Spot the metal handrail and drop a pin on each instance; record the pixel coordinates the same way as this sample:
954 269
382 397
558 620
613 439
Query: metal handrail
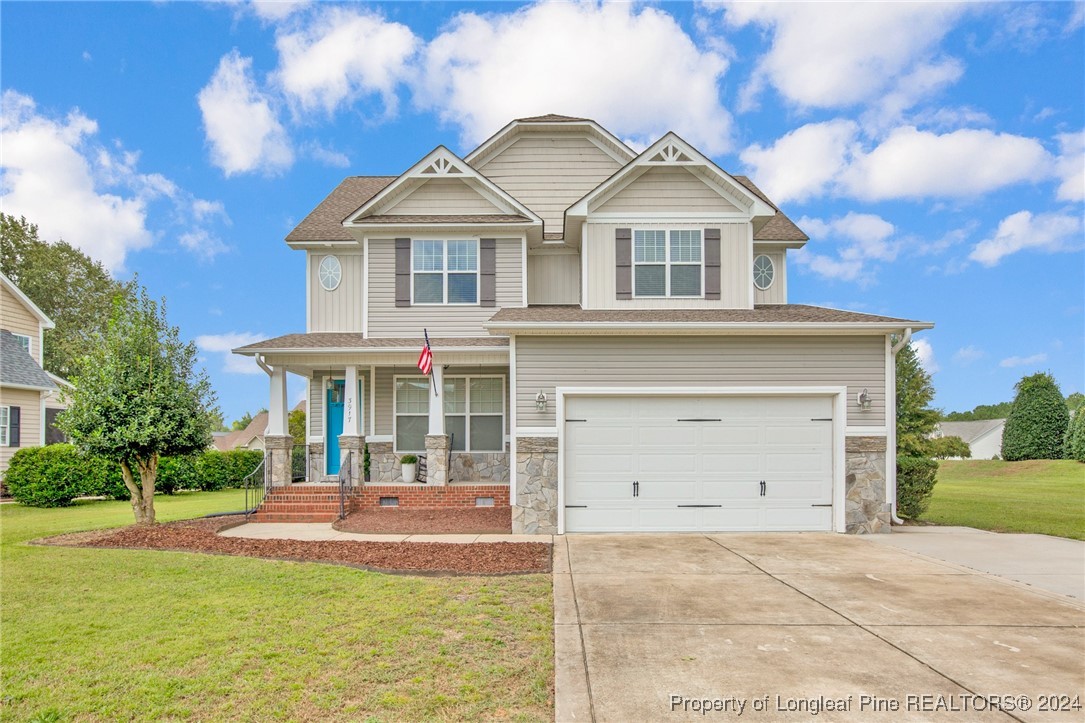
253 498
346 483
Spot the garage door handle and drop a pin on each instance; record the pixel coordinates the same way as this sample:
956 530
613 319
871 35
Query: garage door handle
699 420
830 504
700 505
576 507
763 488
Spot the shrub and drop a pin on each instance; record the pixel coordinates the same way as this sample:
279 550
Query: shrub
50 476
408 459
915 485
215 470
945 447
175 473
1074 445
1036 427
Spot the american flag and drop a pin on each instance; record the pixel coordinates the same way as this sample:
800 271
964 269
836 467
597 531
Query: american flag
425 359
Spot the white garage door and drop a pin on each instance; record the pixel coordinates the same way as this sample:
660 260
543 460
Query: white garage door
698 463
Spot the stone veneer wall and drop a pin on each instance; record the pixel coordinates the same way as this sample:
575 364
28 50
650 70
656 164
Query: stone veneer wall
493 467
866 509
535 510
316 471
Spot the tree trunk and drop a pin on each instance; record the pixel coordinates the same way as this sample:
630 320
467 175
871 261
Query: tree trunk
148 474
135 490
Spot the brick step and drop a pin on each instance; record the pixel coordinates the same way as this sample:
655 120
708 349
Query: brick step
294 517
295 496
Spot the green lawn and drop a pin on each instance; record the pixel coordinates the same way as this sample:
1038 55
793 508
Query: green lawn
122 634
1044 496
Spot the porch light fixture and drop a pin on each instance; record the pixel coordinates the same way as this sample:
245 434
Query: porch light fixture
863 398
540 401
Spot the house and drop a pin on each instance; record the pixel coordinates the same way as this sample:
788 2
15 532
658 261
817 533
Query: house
983 437
613 347
30 397
252 436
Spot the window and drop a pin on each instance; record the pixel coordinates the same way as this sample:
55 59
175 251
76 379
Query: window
330 273
667 263
763 272
474 410
444 272
24 341
5 421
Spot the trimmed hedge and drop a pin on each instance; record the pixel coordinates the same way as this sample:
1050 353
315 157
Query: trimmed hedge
54 475
915 485
1074 445
1036 427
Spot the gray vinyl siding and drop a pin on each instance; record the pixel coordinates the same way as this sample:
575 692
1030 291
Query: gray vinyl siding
735 268
553 278
386 320
544 363
443 196
386 390
549 174
315 408
777 292
317 395
669 189
340 309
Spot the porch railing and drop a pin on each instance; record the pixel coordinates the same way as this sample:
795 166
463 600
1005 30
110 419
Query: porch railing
299 463
346 483
256 484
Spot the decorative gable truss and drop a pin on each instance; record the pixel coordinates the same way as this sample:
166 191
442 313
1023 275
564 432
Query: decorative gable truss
442 189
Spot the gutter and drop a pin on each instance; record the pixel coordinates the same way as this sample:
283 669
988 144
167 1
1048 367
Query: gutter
891 448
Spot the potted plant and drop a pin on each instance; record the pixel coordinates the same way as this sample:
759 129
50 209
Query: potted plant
410 467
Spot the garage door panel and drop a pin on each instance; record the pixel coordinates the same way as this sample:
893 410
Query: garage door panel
795 490
799 432
613 434
730 435
663 434
731 518
664 519
729 490
748 463
666 464
798 518
610 492
652 491
599 520
590 463
600 407
797 461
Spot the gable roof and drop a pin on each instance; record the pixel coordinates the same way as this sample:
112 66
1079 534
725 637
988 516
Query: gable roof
553 118
776 228
325 222
969 432
18 368
607 141
42 318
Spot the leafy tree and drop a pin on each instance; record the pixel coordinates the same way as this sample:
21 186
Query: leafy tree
217 422
1036 427
296 424
74 290
140 397
1074 443
916 420
983 411
1075 401
239 424
946 447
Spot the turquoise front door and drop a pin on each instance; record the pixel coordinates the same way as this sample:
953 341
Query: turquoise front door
334 426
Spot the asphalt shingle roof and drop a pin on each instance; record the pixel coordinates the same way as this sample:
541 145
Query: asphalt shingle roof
325 222
776 228
18 367
970 431
762 314
354 340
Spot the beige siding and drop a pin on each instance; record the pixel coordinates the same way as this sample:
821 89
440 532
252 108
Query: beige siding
735 269
317 395
544 363
16 318
386 390
443 196
553 278
550 173
29 403
315 407
666 188
388 320
340 309
777 292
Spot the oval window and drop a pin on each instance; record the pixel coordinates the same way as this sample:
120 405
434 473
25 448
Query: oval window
330 273
763 272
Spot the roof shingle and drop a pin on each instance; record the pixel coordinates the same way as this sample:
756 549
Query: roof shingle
18 367
776 228
355 340
761 314
428 218
325 222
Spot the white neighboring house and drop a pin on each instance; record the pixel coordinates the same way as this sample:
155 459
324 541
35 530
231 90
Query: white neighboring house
983 437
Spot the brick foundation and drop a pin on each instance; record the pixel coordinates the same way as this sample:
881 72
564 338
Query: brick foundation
423 497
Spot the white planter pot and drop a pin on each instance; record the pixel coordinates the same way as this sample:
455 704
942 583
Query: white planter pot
410 472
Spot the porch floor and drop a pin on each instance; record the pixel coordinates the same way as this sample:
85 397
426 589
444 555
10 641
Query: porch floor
325 531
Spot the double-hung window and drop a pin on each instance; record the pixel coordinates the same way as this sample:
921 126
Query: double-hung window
412 413
24 341
474 409
667 263
5 424
444 272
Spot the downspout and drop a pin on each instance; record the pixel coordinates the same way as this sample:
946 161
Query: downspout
891 441
260 361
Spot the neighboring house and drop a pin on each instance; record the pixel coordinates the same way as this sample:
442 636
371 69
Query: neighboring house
29 395
612 341
983 437
252 436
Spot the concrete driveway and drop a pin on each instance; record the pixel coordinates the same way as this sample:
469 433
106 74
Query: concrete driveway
783 626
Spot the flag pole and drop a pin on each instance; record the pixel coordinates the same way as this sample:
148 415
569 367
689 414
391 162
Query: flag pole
425 333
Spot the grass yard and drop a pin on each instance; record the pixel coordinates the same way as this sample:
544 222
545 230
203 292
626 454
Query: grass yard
1042 496
91 634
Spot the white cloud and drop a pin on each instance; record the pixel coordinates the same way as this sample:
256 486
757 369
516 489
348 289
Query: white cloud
203 243
804 162
276 10
636 71
240 124
342 55
57 174
925 352
326 156
968 354
224 343
923 82
1023 361
1070 166
858 237
851 53
1049 232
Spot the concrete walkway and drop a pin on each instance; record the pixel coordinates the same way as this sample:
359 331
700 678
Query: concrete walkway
648 627
1050 563
324 531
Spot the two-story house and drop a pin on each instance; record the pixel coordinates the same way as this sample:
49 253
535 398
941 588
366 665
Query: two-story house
612 341
29 396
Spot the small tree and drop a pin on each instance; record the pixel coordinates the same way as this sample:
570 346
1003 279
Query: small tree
296 426
1074 444
916 420
1036 427
140 397
946 447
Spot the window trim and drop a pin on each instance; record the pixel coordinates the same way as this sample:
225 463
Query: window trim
753 272
29 342
667 263
320 268
468 449
445 272
5 426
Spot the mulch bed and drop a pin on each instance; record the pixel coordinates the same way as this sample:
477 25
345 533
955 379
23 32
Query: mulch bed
200 535
475 520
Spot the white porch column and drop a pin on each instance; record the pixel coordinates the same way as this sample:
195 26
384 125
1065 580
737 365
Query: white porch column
436 401
352 412
276 409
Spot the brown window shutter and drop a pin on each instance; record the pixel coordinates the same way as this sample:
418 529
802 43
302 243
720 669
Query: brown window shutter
403 272
712 263
14 426
623 263
487 270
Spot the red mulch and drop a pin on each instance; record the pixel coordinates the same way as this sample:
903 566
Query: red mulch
480 558
474 520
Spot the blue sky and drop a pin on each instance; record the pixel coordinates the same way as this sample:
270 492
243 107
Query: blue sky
934 152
